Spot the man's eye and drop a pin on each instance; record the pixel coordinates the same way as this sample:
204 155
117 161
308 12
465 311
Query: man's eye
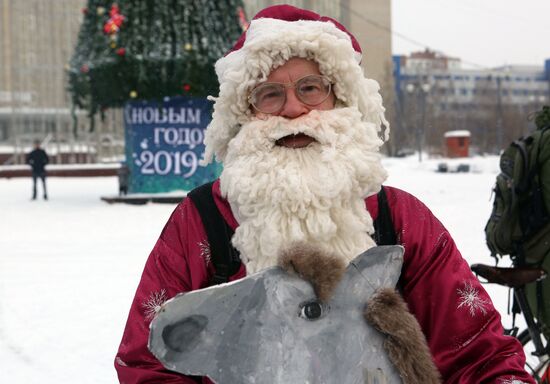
269 95
309 88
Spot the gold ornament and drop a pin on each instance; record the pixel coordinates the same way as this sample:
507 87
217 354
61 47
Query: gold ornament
113 44
100 11
133 94
188 47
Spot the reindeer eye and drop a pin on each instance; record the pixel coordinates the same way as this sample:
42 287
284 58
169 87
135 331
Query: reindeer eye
312 310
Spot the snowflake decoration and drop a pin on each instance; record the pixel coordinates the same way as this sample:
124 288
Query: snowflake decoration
469 298
511 380
154 303
205 251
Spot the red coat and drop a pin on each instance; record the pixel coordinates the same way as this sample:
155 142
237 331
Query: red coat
462 327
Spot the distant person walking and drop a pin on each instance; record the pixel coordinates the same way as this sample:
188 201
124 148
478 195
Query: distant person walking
123 175
37 159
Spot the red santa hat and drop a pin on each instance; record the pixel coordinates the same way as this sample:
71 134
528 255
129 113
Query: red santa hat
275 35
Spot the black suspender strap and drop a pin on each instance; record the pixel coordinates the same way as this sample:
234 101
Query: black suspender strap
224 256
384 232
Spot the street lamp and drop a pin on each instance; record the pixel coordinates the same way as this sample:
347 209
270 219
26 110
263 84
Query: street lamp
500 133
537 101
420 92
499 77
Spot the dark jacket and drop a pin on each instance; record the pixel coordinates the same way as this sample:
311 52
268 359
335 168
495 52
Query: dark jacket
37 159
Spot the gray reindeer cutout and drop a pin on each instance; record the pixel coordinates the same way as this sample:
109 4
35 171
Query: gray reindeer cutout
270 327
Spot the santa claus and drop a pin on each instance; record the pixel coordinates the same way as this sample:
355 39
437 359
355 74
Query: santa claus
298 129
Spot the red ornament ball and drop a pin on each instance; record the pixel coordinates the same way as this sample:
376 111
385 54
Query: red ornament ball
186 87
121 51
84 68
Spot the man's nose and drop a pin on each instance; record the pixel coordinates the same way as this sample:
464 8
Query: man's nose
293 107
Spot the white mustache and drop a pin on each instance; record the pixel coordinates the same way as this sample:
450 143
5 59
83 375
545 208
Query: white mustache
279 127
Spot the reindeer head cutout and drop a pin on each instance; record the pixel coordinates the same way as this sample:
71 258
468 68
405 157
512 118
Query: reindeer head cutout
271 327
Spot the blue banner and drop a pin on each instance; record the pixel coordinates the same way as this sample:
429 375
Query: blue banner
164 143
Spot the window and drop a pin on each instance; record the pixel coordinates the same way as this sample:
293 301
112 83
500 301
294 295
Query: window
3 130
50 126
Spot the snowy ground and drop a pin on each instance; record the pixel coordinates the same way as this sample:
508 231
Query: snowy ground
69 266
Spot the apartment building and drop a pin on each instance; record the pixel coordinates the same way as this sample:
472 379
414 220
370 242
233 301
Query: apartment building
37 38
450 87
482 100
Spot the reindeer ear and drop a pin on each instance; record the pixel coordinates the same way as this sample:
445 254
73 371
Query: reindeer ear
375 268
380 265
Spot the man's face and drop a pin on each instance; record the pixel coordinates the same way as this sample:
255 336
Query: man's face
299 171
289 73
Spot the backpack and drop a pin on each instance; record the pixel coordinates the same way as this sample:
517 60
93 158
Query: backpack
519 224
226 259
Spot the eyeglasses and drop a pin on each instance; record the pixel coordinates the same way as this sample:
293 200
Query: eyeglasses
271 97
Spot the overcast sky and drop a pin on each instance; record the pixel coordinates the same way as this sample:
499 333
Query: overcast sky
483 32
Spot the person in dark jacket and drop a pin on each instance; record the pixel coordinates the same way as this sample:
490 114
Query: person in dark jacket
123 174
37 159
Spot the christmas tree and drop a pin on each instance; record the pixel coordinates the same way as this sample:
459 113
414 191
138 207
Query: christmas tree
150 49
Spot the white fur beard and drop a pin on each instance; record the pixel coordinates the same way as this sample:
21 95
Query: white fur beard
281 196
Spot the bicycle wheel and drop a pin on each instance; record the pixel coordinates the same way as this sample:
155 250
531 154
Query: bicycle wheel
534 365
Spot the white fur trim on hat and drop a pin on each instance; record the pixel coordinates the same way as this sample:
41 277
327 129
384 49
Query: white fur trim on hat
269 44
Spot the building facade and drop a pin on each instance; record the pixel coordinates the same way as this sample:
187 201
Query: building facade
435 94
37 39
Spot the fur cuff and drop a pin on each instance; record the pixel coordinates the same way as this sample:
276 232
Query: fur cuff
405 343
